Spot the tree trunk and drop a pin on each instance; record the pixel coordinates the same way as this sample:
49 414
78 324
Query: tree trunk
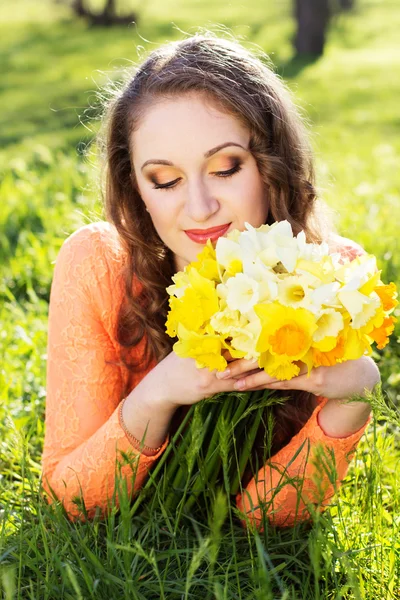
312 20
346 4
79 8
106 18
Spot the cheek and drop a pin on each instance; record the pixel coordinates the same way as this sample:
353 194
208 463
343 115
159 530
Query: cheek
253 189
163 214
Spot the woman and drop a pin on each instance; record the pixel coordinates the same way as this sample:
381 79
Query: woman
204 135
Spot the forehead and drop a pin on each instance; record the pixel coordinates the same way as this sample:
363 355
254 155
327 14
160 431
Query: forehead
188 120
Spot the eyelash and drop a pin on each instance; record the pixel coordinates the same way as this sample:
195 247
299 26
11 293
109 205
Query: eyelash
229 173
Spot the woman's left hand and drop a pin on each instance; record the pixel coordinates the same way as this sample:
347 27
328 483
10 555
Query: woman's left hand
338 381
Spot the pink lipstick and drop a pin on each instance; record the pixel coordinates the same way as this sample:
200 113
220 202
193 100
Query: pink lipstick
202 235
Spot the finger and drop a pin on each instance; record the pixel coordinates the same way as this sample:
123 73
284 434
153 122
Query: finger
238 367
301 382
259 379
237 377
262 380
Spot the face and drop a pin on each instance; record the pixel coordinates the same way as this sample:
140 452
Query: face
194 172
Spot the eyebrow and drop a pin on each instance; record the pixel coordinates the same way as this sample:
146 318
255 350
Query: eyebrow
157 161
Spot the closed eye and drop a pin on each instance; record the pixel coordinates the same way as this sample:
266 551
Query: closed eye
171 184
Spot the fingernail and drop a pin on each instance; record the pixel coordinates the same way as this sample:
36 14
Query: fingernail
224 374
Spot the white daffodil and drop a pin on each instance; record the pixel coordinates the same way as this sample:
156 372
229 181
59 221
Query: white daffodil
329 324
355 273
309 251
250 247
281 228
294 291
287 251
259 271
278 245
227 251
222 291
253 235
361 308
325 295
233 235
243 292
369 311
269 257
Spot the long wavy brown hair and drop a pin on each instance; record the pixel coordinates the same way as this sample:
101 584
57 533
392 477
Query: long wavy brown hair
242 83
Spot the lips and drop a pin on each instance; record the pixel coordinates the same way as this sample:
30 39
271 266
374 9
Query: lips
202 235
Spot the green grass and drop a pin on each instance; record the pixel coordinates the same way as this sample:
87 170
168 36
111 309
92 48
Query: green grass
52 69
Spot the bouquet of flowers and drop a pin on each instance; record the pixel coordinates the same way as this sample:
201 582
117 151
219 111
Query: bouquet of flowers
267 296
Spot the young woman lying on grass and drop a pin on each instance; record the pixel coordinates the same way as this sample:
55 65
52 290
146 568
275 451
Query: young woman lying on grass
202 135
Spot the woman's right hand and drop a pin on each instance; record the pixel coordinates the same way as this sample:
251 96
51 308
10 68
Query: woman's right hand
184 384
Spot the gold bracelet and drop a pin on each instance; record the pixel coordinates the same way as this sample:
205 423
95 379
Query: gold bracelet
130 436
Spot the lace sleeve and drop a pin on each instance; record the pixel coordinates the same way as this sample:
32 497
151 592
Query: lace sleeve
308 469
83 437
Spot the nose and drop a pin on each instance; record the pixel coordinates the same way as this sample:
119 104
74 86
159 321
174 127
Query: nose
200 204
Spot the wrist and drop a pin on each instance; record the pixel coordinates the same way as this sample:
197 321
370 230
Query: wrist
146 416
142 403
151 395
135 442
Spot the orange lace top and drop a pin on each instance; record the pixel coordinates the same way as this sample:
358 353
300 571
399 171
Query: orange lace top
84 437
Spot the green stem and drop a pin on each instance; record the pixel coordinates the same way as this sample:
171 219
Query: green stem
208 471
213 459
161 463
184 471
246 451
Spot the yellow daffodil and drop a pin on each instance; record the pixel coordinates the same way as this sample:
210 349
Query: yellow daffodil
182 281
356 344
196 306
224 321
205 349
186 310
206 292
233 352
245 338
328 356
278 368
322 272
286 331
381 334
206 263
388 295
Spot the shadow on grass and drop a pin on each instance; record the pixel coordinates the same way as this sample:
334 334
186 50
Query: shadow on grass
291 68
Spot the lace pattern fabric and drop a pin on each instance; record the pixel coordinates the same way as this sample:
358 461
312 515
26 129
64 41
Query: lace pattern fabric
83 436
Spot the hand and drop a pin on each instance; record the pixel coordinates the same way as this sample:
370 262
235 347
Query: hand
176 381
338 381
